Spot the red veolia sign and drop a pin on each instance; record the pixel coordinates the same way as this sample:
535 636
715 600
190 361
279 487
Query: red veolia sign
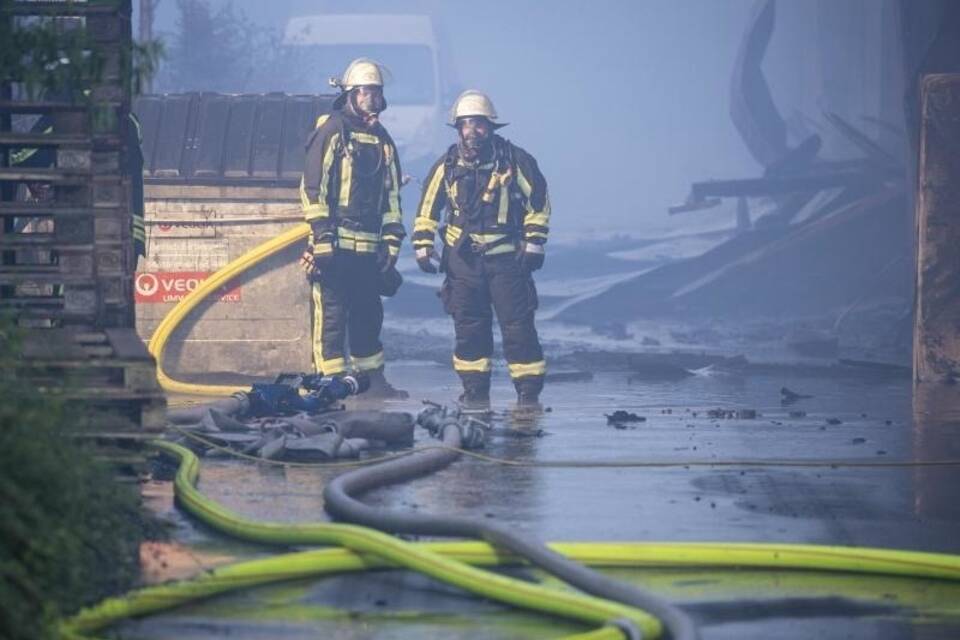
173 286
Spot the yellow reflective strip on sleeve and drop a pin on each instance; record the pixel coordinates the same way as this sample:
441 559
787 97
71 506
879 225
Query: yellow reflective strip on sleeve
321 119
322 249
471 366
521 369
393 215
430 196
539 219
427 242
535 234
367 363
346 178
393 249
425 224
319 209
365 138
525 187
452 235
326 367
504 205
524 184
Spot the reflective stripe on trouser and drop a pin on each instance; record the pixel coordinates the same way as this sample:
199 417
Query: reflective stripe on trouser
479 286
347 308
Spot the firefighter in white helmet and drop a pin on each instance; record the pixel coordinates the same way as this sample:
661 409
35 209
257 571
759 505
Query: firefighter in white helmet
491 200
350 194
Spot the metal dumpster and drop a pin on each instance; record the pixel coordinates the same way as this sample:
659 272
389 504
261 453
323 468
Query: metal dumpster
222 175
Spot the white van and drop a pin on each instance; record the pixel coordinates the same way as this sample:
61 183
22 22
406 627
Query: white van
407 46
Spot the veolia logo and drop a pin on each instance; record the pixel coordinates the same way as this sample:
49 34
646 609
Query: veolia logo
147 284
173 286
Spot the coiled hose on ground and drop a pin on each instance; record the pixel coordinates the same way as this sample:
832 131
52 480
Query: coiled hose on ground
372 549
340 502
867 561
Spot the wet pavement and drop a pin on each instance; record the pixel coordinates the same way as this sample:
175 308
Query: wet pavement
847 419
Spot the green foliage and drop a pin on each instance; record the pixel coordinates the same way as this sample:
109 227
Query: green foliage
48 57
57 57
69 533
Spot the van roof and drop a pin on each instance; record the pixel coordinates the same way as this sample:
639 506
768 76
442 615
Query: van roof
359 28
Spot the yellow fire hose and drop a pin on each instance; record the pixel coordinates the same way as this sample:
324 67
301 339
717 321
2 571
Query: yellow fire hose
161 335
369 549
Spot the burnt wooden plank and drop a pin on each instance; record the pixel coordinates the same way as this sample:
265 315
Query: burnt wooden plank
57 209
14 139
53 176
128 345
25 106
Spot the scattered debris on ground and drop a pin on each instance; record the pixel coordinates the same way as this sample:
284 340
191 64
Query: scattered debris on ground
732 414
788 396
621 419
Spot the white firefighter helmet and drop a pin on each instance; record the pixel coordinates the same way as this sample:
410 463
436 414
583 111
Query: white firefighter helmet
474 103
360 72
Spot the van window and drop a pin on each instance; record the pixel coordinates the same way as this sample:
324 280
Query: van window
411 80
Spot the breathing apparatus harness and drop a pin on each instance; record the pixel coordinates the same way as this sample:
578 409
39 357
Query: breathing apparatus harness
502 171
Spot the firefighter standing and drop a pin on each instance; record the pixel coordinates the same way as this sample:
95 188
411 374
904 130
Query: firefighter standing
350 194
492 200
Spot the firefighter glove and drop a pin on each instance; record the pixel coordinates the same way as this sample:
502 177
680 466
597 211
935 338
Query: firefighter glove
531 258
315 263
425 257
387 256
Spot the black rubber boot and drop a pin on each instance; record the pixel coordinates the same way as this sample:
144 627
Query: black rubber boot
528 390
380 389
476 391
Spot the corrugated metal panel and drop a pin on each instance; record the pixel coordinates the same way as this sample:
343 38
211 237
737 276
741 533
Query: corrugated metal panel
217 139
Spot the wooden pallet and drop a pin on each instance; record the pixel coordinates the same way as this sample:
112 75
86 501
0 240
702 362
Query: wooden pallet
67 267
108 371
66 253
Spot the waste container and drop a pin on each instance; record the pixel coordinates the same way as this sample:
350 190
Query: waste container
221 176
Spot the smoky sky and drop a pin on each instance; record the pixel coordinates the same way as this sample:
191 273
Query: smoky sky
624 103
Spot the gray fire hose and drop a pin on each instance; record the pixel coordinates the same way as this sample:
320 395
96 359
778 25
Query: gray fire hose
340 502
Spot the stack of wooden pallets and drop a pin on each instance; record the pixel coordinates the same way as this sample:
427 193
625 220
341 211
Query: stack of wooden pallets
67 266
